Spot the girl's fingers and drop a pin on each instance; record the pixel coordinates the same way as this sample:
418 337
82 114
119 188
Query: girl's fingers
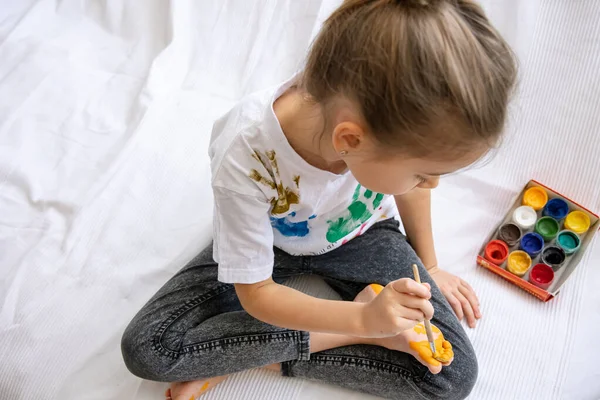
455 304
465 283
410 314
421 306
472 298
467 309
409 286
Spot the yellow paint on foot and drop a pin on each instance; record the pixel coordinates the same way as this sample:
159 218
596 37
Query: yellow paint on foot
443 348
192 398
204 387
420 329
376 288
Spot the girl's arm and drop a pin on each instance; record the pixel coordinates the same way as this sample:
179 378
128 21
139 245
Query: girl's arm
400 306
415 210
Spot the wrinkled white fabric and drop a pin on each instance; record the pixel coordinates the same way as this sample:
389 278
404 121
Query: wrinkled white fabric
106 110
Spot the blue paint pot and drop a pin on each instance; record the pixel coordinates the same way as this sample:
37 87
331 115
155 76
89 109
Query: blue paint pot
556 208
532 243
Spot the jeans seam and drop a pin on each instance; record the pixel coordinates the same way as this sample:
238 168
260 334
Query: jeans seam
250 339
369 363
299 336
185 307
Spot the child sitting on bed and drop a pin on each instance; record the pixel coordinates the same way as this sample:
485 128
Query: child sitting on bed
309 178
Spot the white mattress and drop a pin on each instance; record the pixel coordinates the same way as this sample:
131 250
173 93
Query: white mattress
105 114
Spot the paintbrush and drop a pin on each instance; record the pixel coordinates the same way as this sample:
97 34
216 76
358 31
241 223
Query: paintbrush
425 322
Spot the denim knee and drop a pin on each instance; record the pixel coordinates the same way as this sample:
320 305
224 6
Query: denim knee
455 381
140 357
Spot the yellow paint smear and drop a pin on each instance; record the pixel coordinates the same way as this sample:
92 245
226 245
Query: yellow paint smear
376 288
204 387
443 350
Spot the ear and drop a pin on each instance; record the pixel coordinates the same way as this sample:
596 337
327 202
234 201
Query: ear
347 136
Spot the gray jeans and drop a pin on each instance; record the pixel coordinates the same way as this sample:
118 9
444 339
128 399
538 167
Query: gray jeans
195 327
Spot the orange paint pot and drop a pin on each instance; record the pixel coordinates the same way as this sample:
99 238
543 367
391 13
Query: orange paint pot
535 197
518 263
496 251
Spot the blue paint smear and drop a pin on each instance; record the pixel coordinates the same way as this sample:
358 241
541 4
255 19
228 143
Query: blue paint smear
289 228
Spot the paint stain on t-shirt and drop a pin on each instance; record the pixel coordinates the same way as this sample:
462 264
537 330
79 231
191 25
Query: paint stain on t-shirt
286 196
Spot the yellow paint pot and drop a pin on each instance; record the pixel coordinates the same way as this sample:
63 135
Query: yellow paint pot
578 222
518 262
535 197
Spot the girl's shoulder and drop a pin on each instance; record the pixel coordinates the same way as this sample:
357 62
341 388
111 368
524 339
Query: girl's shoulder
238 138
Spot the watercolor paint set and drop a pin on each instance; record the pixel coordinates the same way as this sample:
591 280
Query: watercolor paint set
540 242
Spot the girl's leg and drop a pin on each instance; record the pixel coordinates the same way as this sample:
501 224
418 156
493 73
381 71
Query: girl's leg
382 255
195 327
194 331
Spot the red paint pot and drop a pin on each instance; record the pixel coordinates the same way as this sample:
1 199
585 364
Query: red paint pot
496 251
541 275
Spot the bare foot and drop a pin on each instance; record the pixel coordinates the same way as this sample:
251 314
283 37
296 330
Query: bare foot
414 341
368 293
192 389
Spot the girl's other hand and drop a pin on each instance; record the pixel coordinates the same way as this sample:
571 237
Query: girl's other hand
459 294
400 306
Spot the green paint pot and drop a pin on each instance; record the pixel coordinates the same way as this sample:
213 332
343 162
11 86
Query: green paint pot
547 227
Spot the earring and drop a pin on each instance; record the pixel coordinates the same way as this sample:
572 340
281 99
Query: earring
343 153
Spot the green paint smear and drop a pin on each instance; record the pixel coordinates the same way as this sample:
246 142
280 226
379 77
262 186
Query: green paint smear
358 212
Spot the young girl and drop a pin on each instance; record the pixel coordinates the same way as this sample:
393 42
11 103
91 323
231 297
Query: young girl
308 179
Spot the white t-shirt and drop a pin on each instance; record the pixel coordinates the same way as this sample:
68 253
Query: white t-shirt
266 195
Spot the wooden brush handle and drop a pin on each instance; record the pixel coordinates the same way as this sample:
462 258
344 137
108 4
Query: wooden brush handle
426 322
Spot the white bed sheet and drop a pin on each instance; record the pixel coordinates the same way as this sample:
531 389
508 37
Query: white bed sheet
105 115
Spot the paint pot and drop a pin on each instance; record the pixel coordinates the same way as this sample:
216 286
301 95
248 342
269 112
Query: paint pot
518 262
541 275
554 256
532 243
568 241
496 251
535 197
556 208
510 233
524 217
578 222
547 227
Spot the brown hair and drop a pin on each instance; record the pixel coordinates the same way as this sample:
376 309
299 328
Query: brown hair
426 75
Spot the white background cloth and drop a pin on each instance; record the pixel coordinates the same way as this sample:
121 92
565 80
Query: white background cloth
105 114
